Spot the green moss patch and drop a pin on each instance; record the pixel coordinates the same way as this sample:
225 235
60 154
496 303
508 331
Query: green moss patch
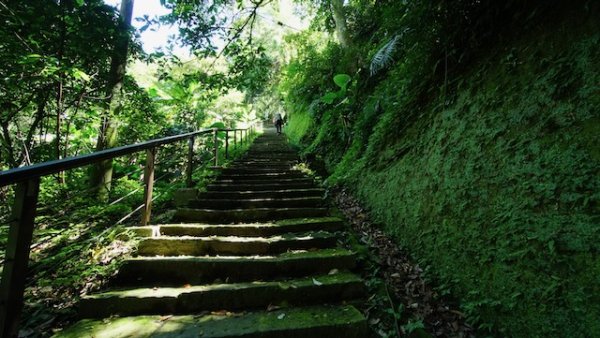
343 321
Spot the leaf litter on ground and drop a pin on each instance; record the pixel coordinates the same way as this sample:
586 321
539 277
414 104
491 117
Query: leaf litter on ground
403 278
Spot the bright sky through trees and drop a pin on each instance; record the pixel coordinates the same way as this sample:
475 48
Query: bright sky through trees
157 37
154 37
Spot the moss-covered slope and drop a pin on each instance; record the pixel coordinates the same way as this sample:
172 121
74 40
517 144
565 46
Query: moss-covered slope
496 186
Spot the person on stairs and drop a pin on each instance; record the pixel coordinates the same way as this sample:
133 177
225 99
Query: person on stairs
278 121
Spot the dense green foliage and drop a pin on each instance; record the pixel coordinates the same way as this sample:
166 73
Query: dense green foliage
471 131
54 83
469 128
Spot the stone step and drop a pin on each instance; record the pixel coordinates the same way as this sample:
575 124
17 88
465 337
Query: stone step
255 171
233 245
304 322
224 204
262 181
259 187
275 156
246 159
329 224
291 193
262 176
213 216
183 270
330 288
254 203
250 165
269 150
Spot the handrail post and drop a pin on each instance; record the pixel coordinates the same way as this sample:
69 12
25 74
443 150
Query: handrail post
20 234
190 163
216 147
235 138
148 185
227 144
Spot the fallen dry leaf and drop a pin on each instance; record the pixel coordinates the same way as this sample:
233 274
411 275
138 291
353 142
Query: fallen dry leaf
165 318
272 307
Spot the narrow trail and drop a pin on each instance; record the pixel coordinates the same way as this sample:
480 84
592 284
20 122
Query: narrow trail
255 255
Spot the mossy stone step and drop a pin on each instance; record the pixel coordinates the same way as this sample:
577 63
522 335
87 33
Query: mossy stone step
259 187
269 151
275 156
289 193
232 245
333 288
246 159
220 204
245 215
253 171
282 174
261 181
329 224
285 165
317 321
196 270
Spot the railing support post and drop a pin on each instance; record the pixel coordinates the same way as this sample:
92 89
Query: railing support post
226 144
216 150
148 185
234 138
18 246
190 163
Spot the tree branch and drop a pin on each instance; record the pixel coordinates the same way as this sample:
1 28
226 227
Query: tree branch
239 31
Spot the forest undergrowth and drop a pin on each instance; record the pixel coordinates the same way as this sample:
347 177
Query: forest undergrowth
79 244
475 148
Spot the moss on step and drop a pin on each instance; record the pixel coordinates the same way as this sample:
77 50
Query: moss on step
193 270
188 245
245 215
331 288
252 229
310 220
322 321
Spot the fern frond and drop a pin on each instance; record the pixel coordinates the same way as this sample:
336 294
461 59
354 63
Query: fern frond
383 57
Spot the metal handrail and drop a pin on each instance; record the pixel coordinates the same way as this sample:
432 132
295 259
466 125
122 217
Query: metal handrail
52 167
16 175
27 180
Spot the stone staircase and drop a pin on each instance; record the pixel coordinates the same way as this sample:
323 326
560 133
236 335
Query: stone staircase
253 256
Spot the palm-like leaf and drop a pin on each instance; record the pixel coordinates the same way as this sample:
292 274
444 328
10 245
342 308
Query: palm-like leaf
383 57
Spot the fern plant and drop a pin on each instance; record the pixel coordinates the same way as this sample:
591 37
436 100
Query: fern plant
383 57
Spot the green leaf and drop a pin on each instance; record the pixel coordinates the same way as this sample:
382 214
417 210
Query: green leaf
153 92
79 2
31 58
329 97
413 326
342 80
219 125
78 74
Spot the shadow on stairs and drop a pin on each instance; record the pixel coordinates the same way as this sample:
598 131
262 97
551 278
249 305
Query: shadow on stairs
254 256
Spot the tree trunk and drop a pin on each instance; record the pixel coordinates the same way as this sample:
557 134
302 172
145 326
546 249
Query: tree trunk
59 86
339 17
102 174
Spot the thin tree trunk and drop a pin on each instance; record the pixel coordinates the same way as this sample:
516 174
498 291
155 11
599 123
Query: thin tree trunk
102 175
59 89
339 17
10 155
